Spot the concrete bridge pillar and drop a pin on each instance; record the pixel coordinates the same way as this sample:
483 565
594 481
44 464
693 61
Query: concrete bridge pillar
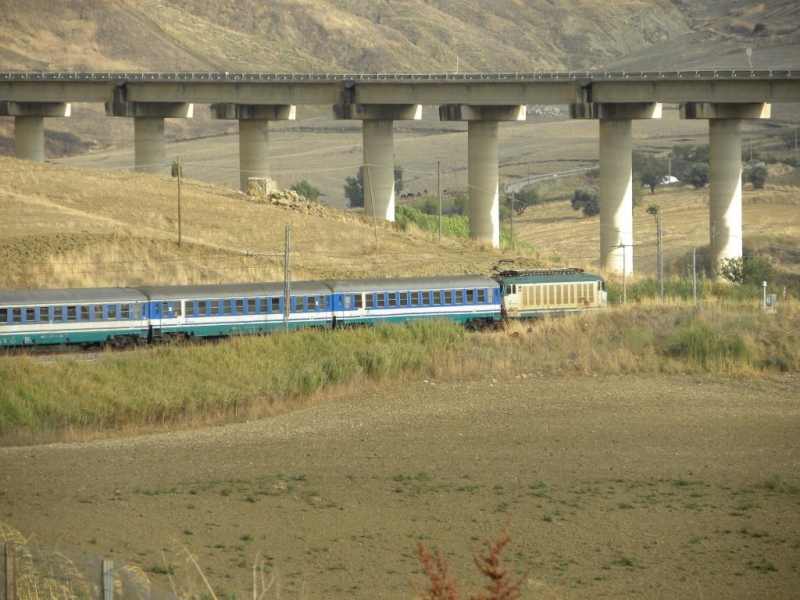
253 134
725 171
148 127
378 141
483 151
29 125
616 177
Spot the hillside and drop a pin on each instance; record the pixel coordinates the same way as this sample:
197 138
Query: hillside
396 35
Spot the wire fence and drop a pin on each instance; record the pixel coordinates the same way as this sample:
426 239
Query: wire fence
35 573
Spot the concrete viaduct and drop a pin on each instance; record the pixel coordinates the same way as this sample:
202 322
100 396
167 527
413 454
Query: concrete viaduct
614 99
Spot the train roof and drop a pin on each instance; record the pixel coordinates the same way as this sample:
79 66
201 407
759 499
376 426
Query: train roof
69 296
565 275
408 284
231 290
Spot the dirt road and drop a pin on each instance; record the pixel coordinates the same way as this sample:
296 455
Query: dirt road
660 487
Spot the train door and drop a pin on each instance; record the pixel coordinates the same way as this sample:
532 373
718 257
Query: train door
510 300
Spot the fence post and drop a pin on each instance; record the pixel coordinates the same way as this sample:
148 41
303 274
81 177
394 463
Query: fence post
108 579
10 571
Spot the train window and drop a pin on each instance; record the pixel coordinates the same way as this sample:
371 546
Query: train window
30 315
414 298
72 313
238 306
58 314
392 299
190 308
84 312
381 300
251 306
3 316
16 315
213 307
470 296
226 307
276 305
44 314
459 296
202 308
358 301
370 301
483 295
97 312
111 312
311 303
447 297
403 298
437 297
124 311
426 298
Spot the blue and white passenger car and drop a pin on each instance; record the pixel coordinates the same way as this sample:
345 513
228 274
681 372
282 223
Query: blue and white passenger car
86 317
185 312
469 299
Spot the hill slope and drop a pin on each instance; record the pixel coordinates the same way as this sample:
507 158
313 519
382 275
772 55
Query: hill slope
386 36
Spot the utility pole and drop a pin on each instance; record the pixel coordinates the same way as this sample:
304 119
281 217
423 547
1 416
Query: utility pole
660 258
178 173
624 275
287 276
439 191
694 275
512 222
372 203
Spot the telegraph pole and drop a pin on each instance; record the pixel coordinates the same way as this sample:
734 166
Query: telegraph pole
439 191
287 276
660 258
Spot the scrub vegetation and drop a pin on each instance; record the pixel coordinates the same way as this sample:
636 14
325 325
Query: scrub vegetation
249 377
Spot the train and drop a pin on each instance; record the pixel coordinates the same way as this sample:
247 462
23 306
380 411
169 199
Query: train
127 316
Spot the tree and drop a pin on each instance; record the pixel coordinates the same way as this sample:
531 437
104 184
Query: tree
653 209
697 175
750 269
354 186
461 204
306 190
652 176
398 179
757 176
789 138
354 189
522 199
586 199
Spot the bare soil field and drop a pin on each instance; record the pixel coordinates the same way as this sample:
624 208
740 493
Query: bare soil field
619 487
